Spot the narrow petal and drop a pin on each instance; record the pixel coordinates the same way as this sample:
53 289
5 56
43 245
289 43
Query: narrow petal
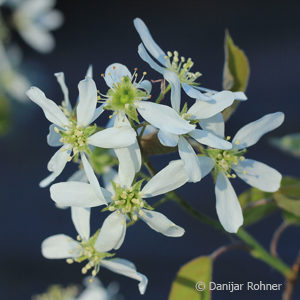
240 96
168 179
167 139
113 137
61 80
228 207
52 112
89 72
60 246
126 268
51 20
190 159
161 223
130 162
112 233
164 117
258 175
114 74
206 165
77 194
148 41
209 139
194 93
87 101
252 132
108 177
98 111
214 124
206 109
170 76
53 138
56 164
145 85
81 220
79 175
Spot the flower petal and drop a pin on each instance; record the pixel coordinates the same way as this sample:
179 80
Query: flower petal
194 93
60 76
77 194
53 138
87 101
209 139
60 246
206 165
81 220
112 233
114 74
164 117
190 159
228 207
108 177
168 139
252 132
214 124
98 111
258 175
170 76
113 137
145 85
148 41
51 20
126 268
52 112
168 179
206 109
56 164
89 72
161 223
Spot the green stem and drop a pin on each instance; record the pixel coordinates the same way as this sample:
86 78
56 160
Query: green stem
162 94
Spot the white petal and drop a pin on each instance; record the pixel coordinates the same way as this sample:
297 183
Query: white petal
81 220
108 177
91 176
228 207
77 194
79 175
51 20
52 112
126 268
60 246
164 117
240 96
148 41
214 124
56 164
206 165
194 93
167 139
98 111
170 76
206 109
33 8
89 72
252 132
114 74
130 162
161 223
53 137
258 175
61 80
190 159
145 85
112 233
113 137
209 139
87 101
168 179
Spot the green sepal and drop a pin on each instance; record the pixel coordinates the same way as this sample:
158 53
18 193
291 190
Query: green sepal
289 144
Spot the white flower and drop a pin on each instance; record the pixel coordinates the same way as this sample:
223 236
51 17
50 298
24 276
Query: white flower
34 19
127 202
72 132
90 248
176 72
175 128
251 171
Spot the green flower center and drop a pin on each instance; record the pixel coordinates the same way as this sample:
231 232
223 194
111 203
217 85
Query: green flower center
57 292
128 201
182 67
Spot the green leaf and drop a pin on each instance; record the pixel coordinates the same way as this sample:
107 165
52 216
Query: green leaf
288 196
235 73
256 205
290 218
189 276
5 115
289 143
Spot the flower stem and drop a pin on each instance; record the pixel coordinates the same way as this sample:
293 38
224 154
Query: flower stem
162 94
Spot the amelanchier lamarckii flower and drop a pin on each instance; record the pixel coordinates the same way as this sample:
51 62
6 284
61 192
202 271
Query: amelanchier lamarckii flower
127 202
72 131
225 162
34 19
95 252
177 72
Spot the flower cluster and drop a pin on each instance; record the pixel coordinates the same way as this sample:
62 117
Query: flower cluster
198 132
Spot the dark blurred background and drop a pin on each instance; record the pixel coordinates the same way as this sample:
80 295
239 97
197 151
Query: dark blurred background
100 33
